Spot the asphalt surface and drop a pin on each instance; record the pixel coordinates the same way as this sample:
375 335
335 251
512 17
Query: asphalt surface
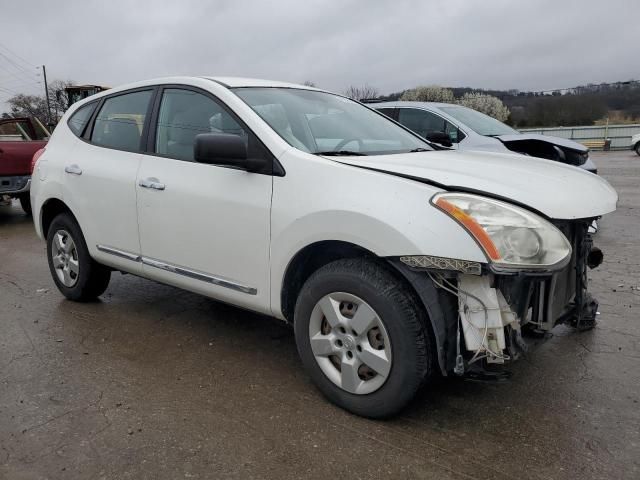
154 382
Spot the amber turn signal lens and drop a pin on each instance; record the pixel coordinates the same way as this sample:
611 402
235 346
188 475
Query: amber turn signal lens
472 226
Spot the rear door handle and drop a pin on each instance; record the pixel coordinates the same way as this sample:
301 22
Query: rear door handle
152 183
73 169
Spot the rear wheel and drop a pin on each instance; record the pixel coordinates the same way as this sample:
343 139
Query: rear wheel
25 203
75 273
361 334
637 149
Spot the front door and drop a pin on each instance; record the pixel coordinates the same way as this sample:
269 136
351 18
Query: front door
203 227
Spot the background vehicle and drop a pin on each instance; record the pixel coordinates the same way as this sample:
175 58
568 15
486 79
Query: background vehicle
75 93
635 143
20 139
393 261
463 128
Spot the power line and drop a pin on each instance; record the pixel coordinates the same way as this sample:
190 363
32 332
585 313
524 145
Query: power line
12 82
11 52
18 70
21 79
15 64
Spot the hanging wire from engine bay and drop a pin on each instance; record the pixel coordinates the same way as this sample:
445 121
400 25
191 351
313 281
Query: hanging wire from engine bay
440 281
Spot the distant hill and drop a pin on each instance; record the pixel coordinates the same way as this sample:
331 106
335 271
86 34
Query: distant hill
585 105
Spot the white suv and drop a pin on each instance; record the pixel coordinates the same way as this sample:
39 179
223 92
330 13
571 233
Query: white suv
393 260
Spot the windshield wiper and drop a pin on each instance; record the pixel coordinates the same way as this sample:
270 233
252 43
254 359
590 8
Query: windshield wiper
419 149
341 153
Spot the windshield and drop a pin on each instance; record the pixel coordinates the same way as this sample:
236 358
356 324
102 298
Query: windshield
479 122
327 124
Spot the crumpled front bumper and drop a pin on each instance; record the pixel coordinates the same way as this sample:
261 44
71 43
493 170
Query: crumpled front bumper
499 312
480 317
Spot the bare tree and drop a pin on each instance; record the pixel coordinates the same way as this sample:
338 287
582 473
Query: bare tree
364 92
58 98
22 105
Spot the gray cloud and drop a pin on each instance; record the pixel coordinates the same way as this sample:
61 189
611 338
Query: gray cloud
389 44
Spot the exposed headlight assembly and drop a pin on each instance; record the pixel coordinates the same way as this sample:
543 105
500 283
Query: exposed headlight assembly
512 238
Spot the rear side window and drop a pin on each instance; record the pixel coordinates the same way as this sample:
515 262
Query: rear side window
120 120
79 120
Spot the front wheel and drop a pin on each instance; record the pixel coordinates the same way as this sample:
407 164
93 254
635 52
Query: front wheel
78 276
637 148
362 336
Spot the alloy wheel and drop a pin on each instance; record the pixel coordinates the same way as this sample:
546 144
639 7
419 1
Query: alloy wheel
350 343
65 258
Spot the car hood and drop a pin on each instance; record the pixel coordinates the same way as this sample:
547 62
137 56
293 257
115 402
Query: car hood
561 142
556 190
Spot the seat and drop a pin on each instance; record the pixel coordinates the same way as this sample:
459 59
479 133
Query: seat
182 131
123 133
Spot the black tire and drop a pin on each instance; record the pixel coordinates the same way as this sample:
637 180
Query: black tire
637 148
92 278
25 203
404 319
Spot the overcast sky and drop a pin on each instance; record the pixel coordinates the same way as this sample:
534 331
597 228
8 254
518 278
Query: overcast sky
392 45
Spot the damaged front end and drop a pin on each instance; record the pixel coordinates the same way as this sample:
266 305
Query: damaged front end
500 312
483 314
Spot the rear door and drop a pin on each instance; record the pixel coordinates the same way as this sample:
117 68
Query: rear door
100 175
205 228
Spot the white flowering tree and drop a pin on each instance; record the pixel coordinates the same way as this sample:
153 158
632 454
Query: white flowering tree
428 93
487 104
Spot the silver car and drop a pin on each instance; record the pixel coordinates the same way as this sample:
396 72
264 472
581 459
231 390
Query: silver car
463 128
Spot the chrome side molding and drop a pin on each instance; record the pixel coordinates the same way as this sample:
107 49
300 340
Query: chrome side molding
199 276
119 253
186 272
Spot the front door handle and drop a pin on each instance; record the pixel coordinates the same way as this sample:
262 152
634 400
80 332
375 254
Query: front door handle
152 183
73 169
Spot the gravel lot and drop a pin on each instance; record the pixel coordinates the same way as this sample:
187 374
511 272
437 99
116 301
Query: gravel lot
154 382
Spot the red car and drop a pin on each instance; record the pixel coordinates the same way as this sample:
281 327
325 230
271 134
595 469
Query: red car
20 139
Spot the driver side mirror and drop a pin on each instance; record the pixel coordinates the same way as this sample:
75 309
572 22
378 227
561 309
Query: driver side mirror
441 138
226 149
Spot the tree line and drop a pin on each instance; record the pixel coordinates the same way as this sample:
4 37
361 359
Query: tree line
584 105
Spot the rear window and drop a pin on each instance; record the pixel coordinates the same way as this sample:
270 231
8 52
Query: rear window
79 120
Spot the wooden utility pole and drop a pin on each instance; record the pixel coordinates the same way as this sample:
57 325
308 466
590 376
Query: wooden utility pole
46 93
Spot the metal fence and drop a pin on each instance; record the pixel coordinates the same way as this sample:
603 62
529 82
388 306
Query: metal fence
620 135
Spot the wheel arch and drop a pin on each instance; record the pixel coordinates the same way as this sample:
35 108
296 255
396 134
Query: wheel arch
50 209
309 259
441 309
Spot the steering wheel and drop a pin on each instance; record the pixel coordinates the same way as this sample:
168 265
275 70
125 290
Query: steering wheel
346 141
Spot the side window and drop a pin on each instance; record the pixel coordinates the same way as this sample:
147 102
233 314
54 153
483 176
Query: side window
389 112
183 115
79 120
420 121
120 120
454 132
